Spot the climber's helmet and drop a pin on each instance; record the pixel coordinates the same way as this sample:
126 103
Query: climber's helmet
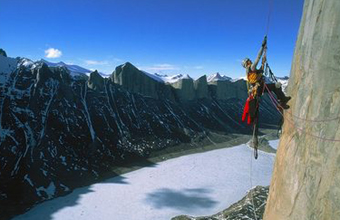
245 62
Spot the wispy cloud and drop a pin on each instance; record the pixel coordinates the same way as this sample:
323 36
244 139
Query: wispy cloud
117 60
96 62
198 67
53 53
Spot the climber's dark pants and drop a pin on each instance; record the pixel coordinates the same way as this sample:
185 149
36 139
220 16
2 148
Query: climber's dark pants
271 86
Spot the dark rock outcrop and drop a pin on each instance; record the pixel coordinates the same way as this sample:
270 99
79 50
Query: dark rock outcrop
3 53
96 81
306 177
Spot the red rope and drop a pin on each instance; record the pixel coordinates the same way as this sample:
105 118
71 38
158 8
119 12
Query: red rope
272 98
311 120
304 119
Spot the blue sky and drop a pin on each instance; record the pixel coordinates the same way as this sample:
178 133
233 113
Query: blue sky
192 37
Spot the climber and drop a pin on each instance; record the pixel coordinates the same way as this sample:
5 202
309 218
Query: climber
256 79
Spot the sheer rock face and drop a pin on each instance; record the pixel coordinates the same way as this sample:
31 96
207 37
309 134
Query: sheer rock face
226 89
134 80
184 88
201 87
306 178
96 81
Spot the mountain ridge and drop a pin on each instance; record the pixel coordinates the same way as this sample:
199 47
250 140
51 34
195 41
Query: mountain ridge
58 131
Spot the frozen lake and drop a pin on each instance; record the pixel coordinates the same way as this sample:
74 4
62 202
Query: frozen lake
196 184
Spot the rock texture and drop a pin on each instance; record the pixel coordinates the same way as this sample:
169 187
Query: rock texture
306 178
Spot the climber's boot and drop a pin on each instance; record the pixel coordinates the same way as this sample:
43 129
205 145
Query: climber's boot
284 105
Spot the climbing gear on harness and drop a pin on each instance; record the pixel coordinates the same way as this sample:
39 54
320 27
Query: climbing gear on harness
249 111
254 76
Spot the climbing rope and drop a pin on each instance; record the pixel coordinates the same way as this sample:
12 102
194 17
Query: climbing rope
312 120
251 185
269 15
277 106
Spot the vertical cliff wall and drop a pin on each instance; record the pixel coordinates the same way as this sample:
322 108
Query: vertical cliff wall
306 178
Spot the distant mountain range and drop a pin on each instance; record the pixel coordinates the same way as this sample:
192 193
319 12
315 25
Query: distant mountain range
76 71
61 125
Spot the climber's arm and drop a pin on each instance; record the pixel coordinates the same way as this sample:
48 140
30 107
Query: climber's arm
259 55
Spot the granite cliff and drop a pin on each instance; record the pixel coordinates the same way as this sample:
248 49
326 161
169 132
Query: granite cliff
137 81
306 178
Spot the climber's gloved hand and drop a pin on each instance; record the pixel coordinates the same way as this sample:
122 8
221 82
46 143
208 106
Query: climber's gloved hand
264 42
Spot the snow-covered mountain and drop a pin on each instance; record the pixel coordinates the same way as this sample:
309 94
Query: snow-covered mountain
58 131
173 78
218 77
165 78
75 70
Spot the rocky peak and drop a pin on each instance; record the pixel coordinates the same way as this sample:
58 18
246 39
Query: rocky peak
184 88
135 80
218 77
3 52
201 87
96 81
42 73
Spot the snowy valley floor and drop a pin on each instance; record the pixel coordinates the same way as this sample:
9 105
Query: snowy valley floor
197 184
